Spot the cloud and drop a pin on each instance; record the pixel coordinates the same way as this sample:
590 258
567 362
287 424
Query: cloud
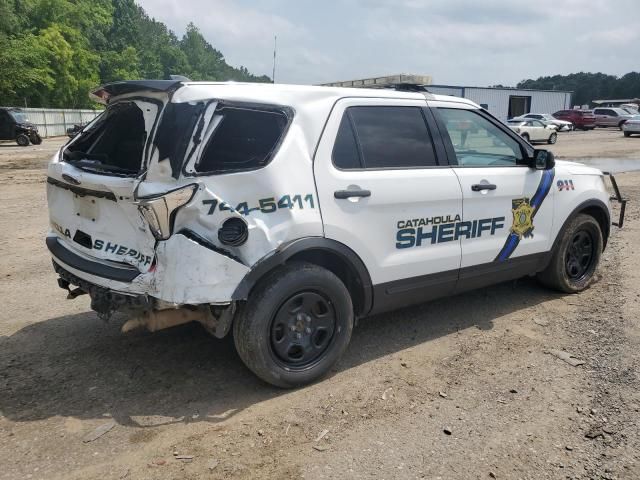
456 41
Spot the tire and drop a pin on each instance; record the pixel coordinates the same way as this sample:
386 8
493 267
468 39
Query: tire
22 140
552 138
627 134
620 125
36 139
273 342
576 256
526 137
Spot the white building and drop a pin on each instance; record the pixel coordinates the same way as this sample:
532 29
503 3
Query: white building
506 103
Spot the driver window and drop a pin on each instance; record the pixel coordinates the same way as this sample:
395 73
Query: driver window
478 142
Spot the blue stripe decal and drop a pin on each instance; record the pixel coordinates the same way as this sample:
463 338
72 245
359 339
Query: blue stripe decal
543 189
510 245
536 201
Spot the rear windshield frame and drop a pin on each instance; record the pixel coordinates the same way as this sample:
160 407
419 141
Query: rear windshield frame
287 111
144 160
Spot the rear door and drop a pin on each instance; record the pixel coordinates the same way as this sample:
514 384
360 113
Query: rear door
503 199
540 132
387 193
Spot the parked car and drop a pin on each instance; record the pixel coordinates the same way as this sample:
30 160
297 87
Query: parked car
631 108
533 130
14 125
562 125
611 117
285 213
581 119
631 126
73 131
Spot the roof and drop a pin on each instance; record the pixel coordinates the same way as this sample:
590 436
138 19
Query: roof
312 104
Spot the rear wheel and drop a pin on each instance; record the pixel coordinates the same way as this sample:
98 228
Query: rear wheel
627 134
620 125
552 138
576 257
295 325
526 137
22 140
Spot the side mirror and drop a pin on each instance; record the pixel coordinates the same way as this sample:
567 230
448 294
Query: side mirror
542 160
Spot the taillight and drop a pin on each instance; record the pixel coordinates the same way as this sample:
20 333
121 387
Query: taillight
159 211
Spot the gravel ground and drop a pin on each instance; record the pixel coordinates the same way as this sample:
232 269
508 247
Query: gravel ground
460 388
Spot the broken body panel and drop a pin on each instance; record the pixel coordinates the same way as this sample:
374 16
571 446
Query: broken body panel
96 215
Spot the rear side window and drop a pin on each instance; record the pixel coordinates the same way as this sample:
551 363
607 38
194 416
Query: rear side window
245 139
345 151
383 137
174 131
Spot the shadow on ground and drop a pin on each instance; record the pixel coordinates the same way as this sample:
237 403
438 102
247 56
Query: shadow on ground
80 367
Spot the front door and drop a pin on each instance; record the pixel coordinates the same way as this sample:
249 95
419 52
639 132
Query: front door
385 193
505 201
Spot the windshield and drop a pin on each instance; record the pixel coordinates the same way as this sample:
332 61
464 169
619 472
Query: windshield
19 117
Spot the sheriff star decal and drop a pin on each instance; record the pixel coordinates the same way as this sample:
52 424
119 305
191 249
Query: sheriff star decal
522 217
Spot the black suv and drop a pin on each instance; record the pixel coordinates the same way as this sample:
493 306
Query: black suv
14 125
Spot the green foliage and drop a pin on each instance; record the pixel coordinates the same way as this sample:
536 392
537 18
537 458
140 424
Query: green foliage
53 52
587 87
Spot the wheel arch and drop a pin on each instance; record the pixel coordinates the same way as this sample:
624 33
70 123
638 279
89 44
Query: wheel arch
594 208
330 254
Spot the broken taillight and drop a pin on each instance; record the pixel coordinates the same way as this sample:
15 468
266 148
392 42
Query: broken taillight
159 210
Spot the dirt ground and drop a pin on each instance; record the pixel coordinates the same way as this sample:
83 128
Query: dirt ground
460 388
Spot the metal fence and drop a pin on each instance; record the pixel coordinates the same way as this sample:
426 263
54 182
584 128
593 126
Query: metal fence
53 122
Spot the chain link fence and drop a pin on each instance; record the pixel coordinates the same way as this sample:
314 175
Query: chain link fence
53 122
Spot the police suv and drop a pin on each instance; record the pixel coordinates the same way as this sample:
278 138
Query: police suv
287 212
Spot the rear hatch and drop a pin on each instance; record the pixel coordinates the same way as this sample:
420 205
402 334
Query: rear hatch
588 117
91 185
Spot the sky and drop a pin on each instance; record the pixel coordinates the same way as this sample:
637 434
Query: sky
457 42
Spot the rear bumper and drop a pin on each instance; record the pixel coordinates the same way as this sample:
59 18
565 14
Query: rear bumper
118 272
187 272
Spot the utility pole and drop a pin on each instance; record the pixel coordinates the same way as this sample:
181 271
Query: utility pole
275 45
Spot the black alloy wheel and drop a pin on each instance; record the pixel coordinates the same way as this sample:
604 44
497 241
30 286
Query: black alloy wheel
579 255
295 324
302 329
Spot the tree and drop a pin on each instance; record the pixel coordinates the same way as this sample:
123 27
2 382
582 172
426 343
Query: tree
53 52
587 87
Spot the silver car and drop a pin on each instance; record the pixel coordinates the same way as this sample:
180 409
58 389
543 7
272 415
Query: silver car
611 117
631 126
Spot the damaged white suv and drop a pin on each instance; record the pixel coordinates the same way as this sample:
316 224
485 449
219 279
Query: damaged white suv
287 212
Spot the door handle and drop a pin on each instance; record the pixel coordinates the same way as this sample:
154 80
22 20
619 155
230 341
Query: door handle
478 187
344 194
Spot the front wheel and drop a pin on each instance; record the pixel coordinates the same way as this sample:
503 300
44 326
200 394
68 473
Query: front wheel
627 134
576 256
526 137
552 138
295 325
36 139
22 140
